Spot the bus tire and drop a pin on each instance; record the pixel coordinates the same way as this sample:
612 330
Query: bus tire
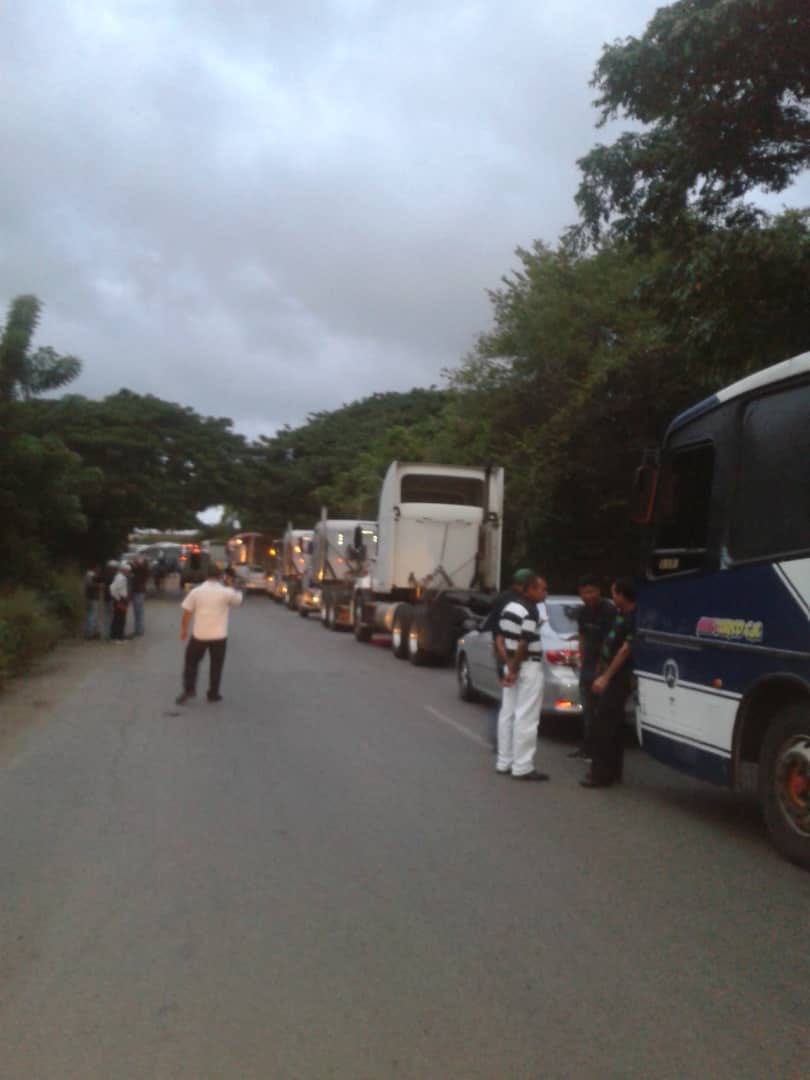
784 782
400 627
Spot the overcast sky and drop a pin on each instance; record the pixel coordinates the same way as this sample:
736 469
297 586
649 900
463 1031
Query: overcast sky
262 208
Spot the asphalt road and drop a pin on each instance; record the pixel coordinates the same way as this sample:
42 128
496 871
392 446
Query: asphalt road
322 877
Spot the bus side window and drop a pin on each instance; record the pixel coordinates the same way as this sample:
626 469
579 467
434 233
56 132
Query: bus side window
771 514
683 508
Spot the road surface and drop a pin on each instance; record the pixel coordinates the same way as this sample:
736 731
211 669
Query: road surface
322 876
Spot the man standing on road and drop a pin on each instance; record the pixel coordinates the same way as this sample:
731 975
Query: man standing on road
522 684
119 594
491 624
138 581
209 605
612 688
594 620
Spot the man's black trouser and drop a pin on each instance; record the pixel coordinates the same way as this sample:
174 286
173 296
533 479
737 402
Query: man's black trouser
195 650
606 741
589 703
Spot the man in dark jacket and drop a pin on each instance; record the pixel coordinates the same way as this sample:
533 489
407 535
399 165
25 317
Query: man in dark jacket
594 620
612 688
137 590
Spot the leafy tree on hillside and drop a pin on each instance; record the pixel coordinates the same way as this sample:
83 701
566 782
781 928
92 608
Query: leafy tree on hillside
722 91
23 373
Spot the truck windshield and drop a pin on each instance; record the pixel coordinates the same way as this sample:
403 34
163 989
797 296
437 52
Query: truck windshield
450 490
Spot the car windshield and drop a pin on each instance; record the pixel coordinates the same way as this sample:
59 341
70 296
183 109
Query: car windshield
560 620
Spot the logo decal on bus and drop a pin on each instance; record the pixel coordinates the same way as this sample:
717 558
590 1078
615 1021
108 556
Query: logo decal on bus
730 629
671 673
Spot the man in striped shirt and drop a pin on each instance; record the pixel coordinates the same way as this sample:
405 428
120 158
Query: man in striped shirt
519 639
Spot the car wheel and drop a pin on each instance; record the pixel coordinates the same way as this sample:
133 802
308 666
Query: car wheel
466 690
784 782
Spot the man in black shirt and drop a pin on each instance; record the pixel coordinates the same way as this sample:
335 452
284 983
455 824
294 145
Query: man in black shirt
594 620
612 688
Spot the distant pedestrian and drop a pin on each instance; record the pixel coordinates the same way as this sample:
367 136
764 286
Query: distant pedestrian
108 576
137 591
209 606
93 595
612 688
594 620
522 683
159 571
119 592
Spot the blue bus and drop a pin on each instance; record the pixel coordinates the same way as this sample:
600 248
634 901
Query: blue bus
723 648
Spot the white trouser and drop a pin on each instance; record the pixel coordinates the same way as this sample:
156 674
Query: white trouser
518 720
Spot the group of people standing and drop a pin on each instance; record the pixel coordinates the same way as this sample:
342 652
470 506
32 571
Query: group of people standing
606 631
109 593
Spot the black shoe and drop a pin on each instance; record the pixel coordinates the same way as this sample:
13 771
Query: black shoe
593 781
214 697
181 699
532 776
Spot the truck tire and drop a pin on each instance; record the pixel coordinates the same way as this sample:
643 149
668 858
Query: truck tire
784 782
417 641
362 632
331 617
400 627
302 611
290 599
325 615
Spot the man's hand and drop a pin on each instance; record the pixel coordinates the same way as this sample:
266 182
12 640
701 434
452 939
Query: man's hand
598 686
183 633
509 679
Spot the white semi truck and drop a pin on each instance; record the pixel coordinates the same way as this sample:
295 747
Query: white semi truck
341 550
438 558
296 554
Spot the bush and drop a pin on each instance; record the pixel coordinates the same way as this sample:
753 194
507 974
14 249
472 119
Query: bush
27 630
64 598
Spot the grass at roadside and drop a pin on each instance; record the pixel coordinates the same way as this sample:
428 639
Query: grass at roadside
31 622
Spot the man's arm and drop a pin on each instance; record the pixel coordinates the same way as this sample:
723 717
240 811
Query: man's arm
184 625
600 684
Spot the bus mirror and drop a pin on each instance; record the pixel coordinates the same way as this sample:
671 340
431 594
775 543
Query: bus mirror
644 485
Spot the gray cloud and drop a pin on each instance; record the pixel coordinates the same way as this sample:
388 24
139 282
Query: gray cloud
262 209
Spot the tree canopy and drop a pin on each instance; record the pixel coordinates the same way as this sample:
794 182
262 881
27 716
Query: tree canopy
721 89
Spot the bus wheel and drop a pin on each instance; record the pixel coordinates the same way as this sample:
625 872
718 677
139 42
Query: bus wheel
400 626
784 782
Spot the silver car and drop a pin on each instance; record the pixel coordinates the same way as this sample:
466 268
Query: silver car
478 677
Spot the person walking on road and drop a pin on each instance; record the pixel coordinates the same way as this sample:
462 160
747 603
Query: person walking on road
594 620
522 683
119 594
209 606
612 688
138 582
93 594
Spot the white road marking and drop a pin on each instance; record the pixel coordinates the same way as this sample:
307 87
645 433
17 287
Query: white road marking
460 728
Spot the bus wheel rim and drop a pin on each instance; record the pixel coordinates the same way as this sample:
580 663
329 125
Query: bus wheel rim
792 777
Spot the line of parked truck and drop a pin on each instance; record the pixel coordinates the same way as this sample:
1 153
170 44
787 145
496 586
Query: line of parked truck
425 572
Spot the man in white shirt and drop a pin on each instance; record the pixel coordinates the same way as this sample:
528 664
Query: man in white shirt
209 605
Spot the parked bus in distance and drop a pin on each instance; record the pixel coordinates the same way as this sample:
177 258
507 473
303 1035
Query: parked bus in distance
723 644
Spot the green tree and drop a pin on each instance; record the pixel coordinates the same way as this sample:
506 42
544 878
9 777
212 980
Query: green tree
23 373
721 89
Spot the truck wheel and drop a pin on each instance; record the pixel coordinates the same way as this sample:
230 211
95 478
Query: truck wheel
331 617
302 611
290 599
417 653
784 782
401 625
362 632
466 690
325 615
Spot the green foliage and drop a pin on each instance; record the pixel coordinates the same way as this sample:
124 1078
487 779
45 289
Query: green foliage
24 374
337 458
722 91
151 462
27 630
63 597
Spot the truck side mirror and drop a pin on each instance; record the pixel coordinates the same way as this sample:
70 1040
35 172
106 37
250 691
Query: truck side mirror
645 483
